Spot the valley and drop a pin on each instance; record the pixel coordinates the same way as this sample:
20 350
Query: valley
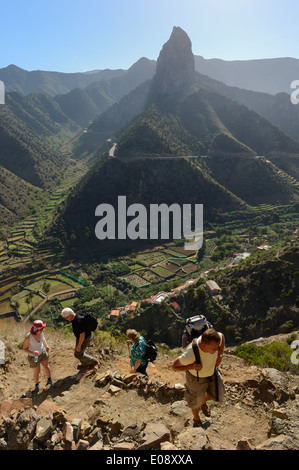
160 132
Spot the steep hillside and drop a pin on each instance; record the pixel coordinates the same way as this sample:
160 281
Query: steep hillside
269 76
25 153
41 113
15 196
258 297
203 123
251 129
67 113
256 180
157 132
83 106
144 181
109 123
277 109
208 110
51 83
174 115
108 408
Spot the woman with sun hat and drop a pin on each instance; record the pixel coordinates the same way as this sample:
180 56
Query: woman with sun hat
35 345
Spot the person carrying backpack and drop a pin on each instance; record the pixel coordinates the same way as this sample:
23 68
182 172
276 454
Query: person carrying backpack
137 351
83 324
203 382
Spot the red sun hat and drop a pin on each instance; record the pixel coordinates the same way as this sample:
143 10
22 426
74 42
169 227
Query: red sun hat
38 325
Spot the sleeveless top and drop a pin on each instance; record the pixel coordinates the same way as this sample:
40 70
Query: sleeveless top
36 345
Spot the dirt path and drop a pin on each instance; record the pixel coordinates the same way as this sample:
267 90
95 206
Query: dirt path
228 424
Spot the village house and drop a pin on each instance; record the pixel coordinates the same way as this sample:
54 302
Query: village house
263 247
155 299
213 287
114 313
158 299
130 309
175 306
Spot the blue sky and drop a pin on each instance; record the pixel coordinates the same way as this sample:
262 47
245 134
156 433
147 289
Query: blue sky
82 35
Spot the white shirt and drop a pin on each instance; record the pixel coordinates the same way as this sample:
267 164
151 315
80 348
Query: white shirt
208 360
36 345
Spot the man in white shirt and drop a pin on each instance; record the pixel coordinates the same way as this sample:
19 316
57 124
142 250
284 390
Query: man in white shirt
203 381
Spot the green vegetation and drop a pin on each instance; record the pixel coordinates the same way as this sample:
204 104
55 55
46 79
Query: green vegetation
158 133
276 355
50 185
203 122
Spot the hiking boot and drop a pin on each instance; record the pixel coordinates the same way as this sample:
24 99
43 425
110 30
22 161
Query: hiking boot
50 382
197 423
88 365
37 388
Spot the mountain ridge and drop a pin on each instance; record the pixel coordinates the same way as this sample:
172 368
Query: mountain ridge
174 115
251 74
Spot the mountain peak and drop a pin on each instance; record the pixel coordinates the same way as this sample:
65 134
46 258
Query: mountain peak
175 65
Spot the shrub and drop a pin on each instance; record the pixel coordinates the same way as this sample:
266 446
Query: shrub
276 355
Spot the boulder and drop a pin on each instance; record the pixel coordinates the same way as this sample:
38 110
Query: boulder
245 444
83 445
133 431
76 425
113 389
21 432
179 408
97 446
168 446
154 434
192 439
44 429
68 432
124 446
281 442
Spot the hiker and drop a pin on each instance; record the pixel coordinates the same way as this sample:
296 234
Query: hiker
137 348
82 331
203 381
35 345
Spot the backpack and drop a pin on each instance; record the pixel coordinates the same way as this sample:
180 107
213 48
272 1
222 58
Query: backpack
91 322
194 327
151 351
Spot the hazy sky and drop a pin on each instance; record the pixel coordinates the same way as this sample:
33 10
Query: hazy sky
82 35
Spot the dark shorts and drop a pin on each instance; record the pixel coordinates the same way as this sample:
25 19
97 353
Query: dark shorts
197 389
42 357
142 369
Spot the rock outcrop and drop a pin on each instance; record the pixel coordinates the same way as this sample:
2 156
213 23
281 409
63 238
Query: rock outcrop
175 66
25 426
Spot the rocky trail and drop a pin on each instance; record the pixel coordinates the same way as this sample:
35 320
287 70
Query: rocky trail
108 408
